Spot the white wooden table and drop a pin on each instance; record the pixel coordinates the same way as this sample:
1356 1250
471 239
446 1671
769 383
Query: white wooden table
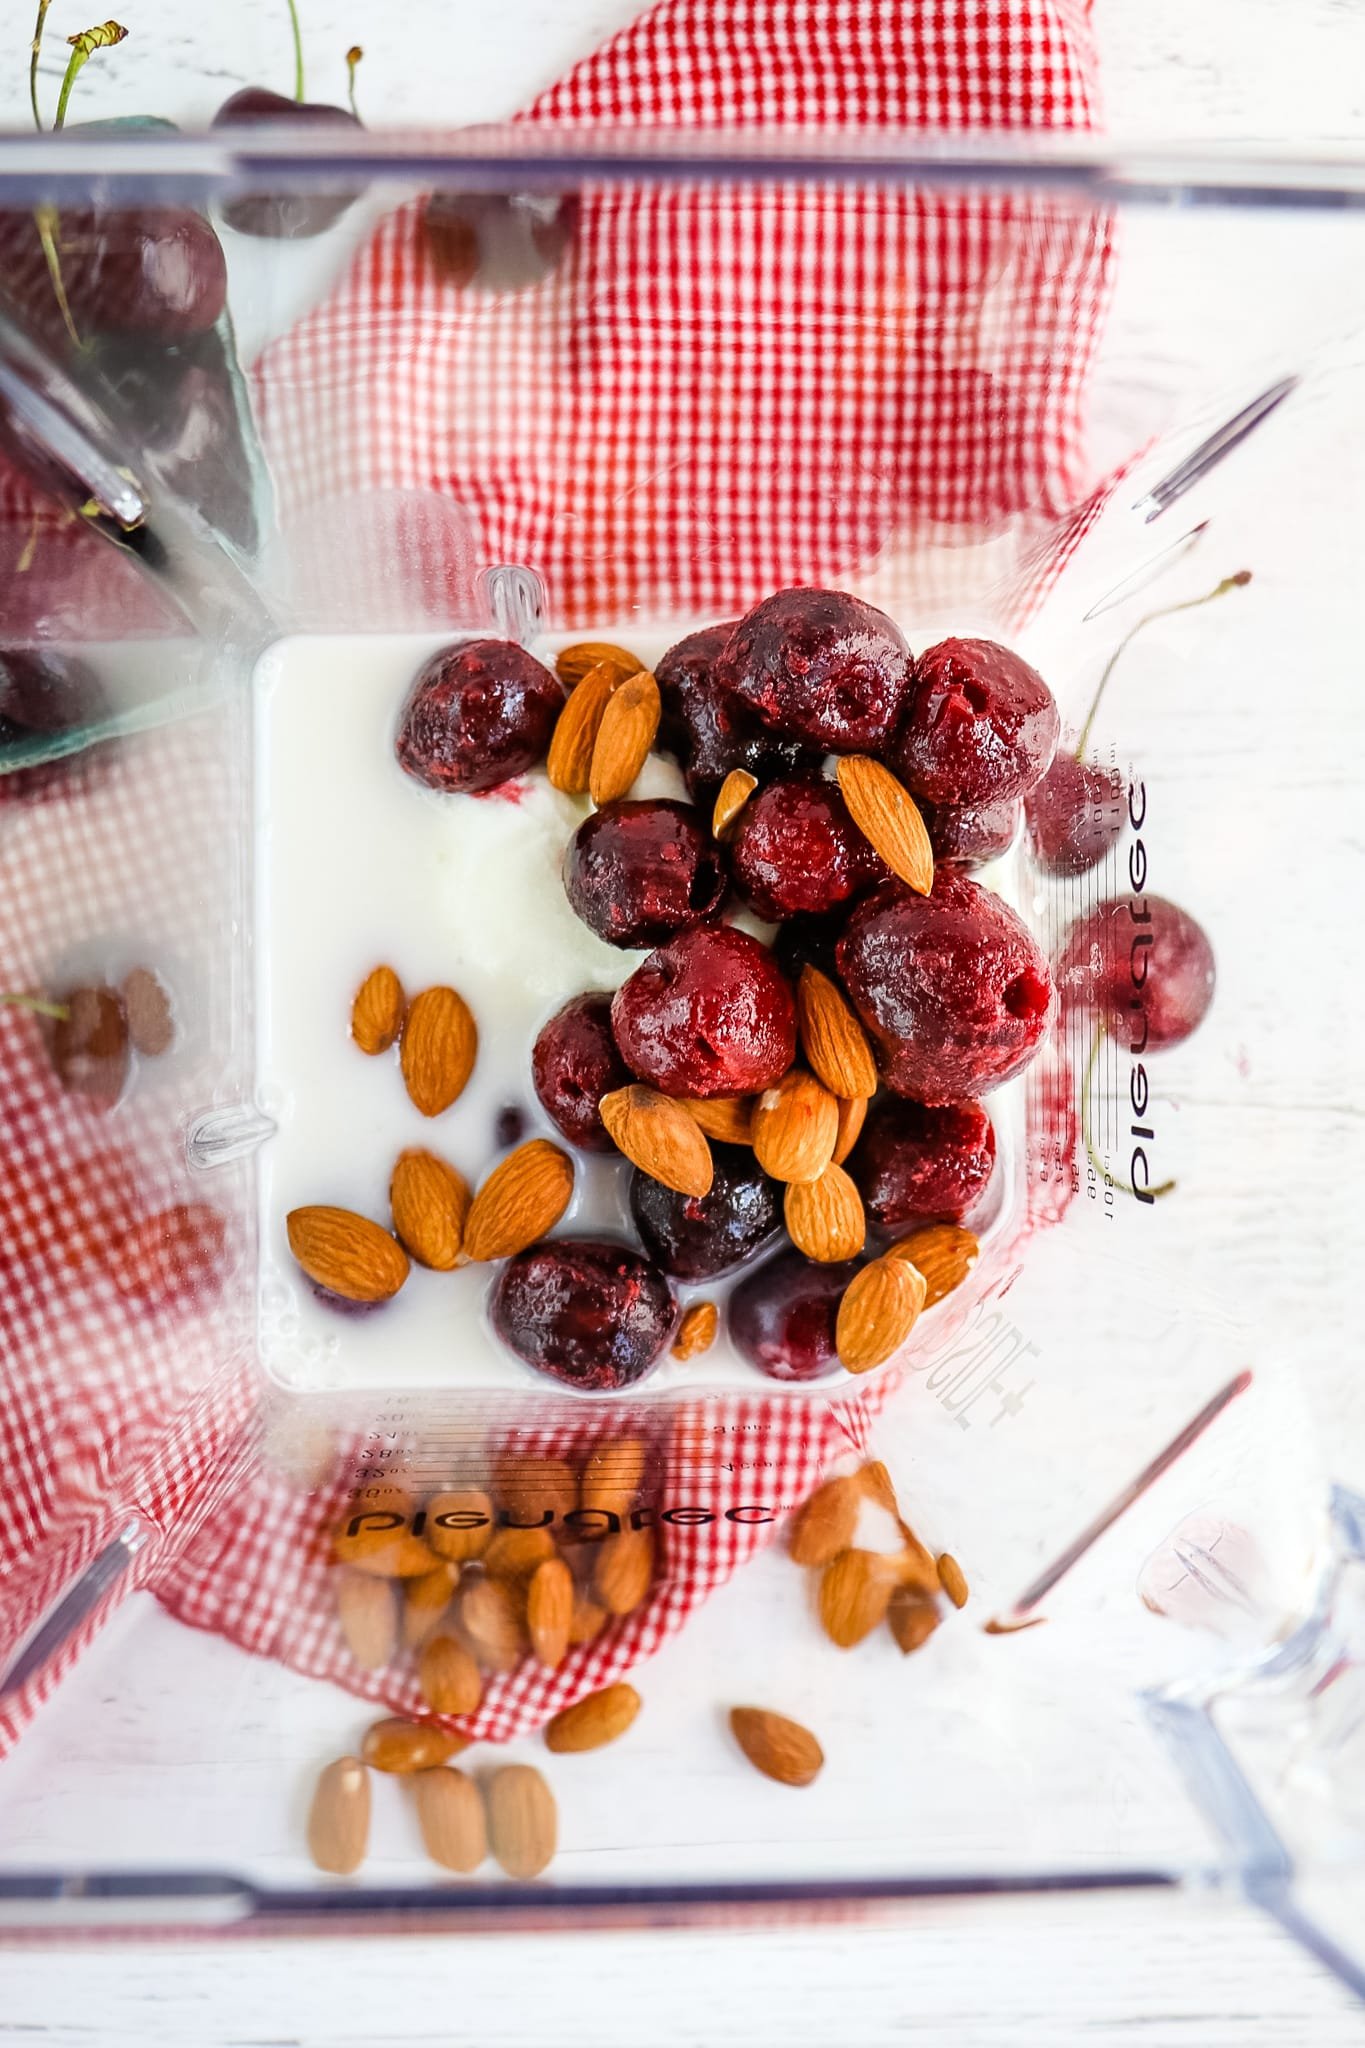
1178 1970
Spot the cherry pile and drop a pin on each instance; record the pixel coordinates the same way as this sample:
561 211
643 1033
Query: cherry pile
940 984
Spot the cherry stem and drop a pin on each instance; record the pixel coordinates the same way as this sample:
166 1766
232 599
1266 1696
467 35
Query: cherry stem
43 6
102 37
353 57
1189 604
40 1005
298 50
1110 1180
47 219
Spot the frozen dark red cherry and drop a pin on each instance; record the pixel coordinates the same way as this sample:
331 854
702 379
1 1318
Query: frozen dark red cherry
697 1237
710 1013
1075 814
638 872
587 1311
782 1316
980 725
477 715
822 667
953 987
796 851
968 835
711 731
574 1063
918 1165
1144 965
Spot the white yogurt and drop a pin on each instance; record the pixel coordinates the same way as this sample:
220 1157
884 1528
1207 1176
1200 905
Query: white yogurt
357 864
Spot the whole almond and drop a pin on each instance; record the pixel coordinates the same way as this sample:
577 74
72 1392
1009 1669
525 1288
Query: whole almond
697 1330
523 1823
459 1526
375 1538
367 1609
430 1202
832 1038
593 1722
952 1578
729 1119
780 1748
147 1005
879 1309
515 1554
624 1570
448 1678
440 1044
586 1622
825 1217
624 738
535 1491
855 1592
912 1619
339 1819
450 1815
569 762
399 1746
425 1602
549 1611
827 1523
377 1011
524 1196
738 786
572 664
888 818
490 1622
612 1476
795 1126
852 1117
942 1253
656 1134
346 1253
874 1481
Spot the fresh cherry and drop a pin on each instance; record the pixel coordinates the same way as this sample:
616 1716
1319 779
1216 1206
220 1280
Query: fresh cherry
822 667
586 1311
980 725
782 1316
574 1063
795 850
1075 814
499 241
968 835
638 872
952 985
919 1165
283 216
697 1237
710 1013
42 695
1144 965
154 271
478 714
89 1045
708 729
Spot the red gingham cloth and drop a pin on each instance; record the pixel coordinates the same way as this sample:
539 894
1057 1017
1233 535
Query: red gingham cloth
715 393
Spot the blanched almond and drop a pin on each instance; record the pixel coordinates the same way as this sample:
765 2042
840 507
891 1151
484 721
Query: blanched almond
448 1678
367 1609
826 1523
624 738
451 1817
942 1253
377 1011
657 1135
879 1309
832 1038
549 1611
524 1196
781 1749
888 817
795 1127
339 1820
825 1217
430 1202
697 1330
523 1822
593 1722
440 1045
346 1253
